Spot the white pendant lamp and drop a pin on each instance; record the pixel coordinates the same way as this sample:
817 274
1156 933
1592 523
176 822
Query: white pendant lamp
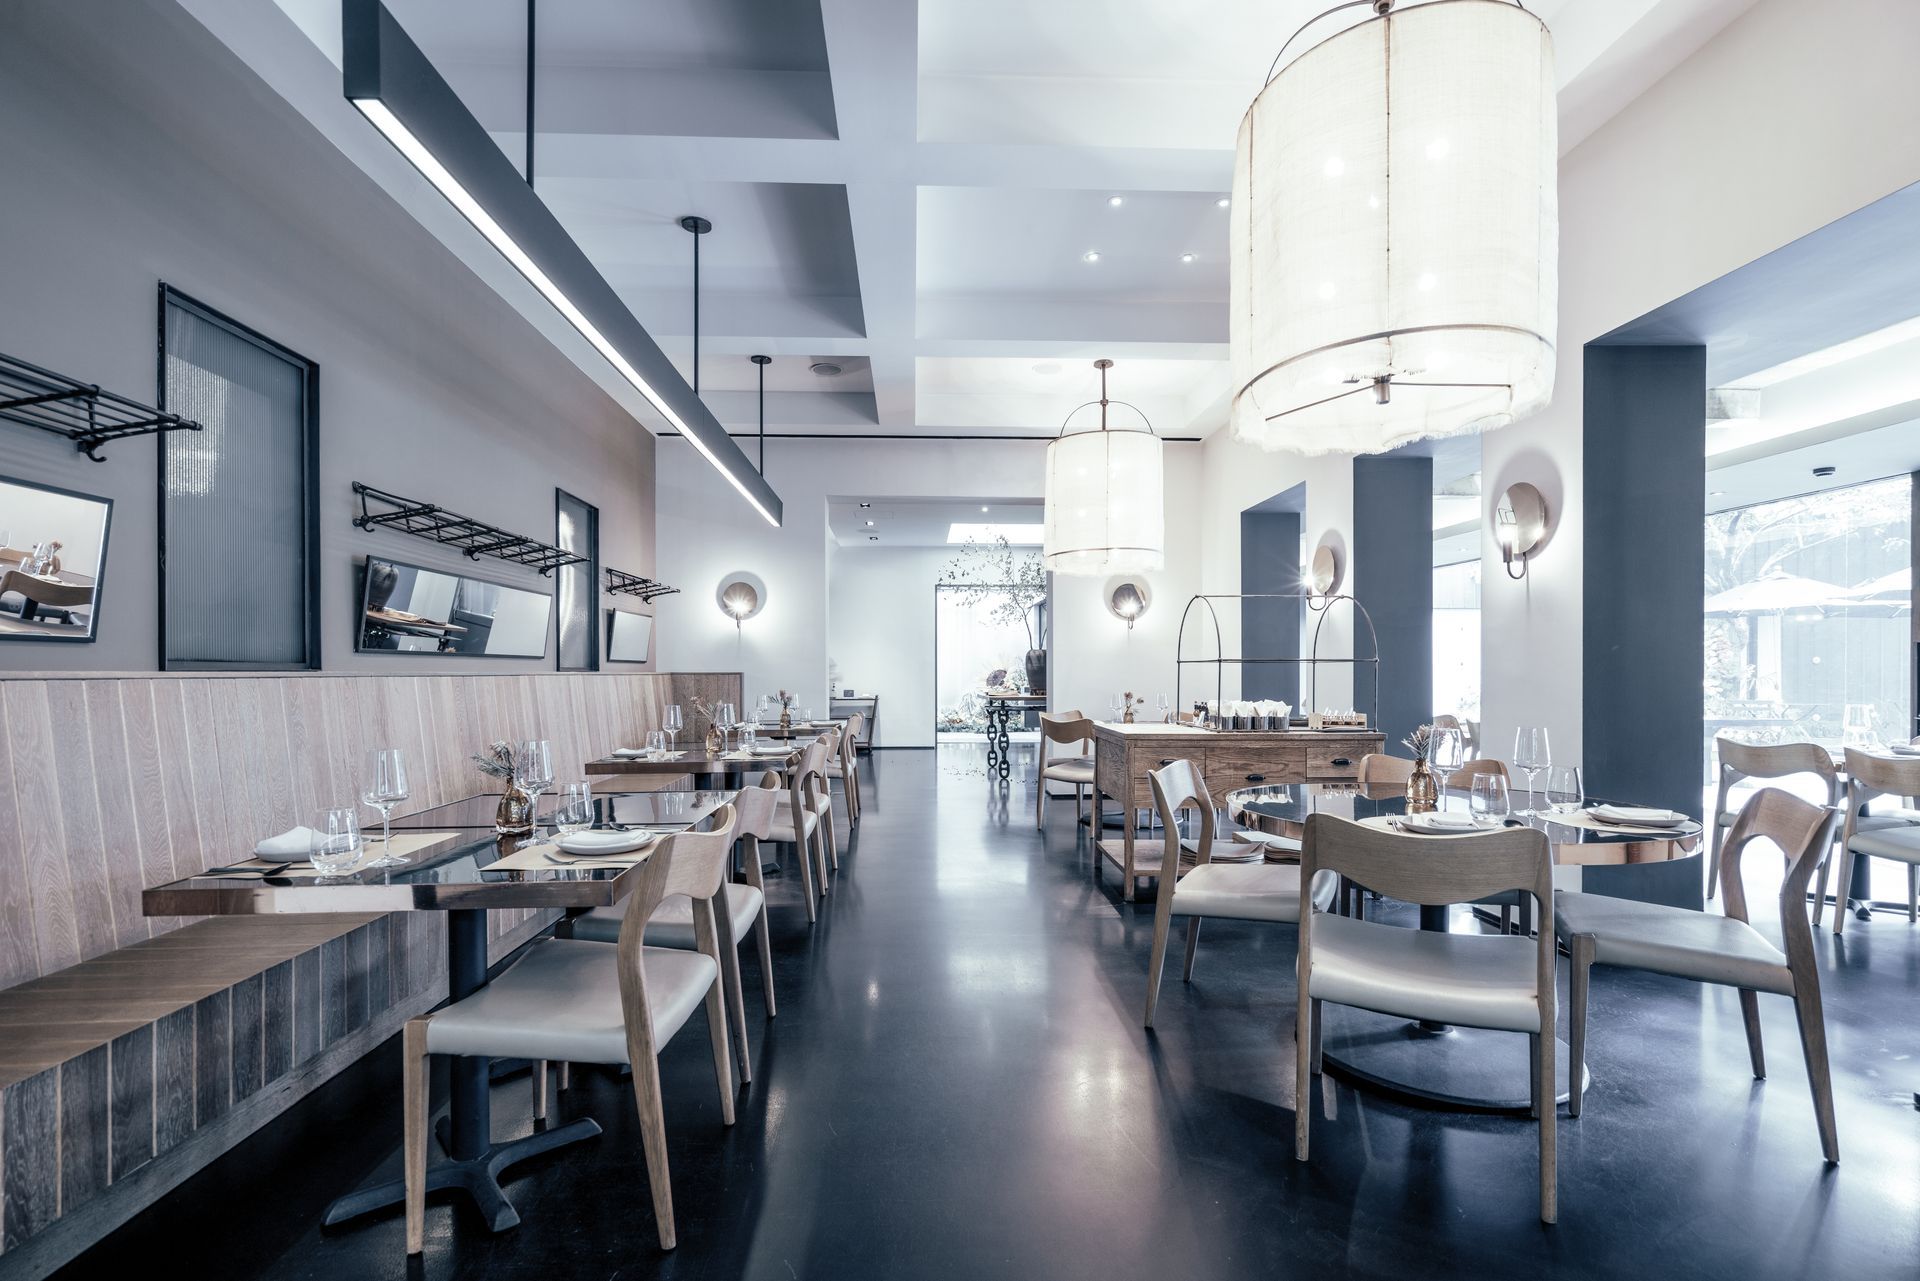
1105 493
1395 232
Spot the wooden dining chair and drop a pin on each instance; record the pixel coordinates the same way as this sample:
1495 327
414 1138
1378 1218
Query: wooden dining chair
1257 891
844 765
1461 780
740 910
1707 948
1064 727
1377 769
583 1002
1893 838
1504 983
1739 761
803 817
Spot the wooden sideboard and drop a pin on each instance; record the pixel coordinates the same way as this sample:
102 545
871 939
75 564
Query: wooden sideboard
1123 756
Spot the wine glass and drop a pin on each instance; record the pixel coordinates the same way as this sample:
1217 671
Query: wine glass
1490 804
1565 795
1163 705
334 846
1445 752
1531 753
674 722
723 719
383 786
574 810
1117 704
533 773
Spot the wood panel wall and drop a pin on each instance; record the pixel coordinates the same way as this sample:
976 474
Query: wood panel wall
115 783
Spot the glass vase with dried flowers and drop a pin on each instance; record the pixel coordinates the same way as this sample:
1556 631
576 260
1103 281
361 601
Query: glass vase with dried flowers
716 737
1423 791
514 816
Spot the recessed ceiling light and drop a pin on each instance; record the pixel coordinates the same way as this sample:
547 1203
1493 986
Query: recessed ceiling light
1092 255
983 509
1047 368
1716 493
869 524
1114 202
1223 202
1186 257
873 538
866 505
825 368
1825 471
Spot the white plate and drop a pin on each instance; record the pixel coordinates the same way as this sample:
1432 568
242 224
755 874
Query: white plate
1638 816
1438 824
1903 749
604 842
771 749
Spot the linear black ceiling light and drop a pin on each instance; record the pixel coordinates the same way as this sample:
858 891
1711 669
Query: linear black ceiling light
394 85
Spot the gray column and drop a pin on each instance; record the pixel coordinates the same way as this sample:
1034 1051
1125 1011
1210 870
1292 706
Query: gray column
1393 578
1270 563
1644 478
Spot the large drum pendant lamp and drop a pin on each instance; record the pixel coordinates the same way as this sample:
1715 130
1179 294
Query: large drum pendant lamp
1105 492
1394 232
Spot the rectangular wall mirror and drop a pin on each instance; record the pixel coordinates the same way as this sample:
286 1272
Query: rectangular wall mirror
629 636
410 610
53 543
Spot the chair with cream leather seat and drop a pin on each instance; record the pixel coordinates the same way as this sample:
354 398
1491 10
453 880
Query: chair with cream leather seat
1710 948
589 1003
1253 891
807 796
1736 761
1890 837
740 908
1501 982
844 764
1064 727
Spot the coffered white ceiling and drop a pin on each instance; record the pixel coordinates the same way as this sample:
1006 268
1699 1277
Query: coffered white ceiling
910 191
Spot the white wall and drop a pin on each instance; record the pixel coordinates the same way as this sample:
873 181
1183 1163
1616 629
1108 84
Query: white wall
1795 115
705 532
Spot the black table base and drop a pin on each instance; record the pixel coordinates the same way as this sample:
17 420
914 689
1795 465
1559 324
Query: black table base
1462 1069
478 1177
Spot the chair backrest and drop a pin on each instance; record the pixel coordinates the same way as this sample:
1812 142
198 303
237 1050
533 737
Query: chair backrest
1063 727
1378 768
808 778
1177 786
856 725
1446 720
1774 760
1430 870
690 863
754 807
1462 778
1870 775
1803 831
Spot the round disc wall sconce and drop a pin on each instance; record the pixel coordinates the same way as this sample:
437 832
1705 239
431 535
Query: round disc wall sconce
740 596
1127 598
1519 526
1324 573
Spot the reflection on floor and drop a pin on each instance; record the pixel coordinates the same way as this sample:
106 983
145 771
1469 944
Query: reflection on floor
958 1086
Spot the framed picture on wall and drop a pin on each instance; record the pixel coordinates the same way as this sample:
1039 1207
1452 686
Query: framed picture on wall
577 530
53 551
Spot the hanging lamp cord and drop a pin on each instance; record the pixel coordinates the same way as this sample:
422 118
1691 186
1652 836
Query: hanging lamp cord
530 7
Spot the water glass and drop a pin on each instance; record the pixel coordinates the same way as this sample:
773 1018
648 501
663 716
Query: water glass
1489 803
746 737
334 846
383 785
1565 795
1531 753
656 744
1163 705
674 722
574 810
1117 704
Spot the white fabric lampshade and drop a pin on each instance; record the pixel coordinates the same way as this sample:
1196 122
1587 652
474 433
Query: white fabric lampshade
1105 503
1416 242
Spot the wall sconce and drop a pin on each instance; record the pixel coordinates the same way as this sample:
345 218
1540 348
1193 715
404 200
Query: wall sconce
1324 574
1128 598
741 596
1519 526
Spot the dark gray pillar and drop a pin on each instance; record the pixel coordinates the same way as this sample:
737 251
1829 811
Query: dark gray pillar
1270 563
1393 578
1644 477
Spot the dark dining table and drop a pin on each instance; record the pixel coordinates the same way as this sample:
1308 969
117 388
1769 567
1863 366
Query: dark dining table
708 769
1468 1069
455 853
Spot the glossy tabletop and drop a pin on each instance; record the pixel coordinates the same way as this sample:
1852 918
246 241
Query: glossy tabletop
692 760
1283 809
611 809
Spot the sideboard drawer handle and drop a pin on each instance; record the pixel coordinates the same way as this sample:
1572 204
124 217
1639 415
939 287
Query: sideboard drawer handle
1166 760
1256 778
1342 760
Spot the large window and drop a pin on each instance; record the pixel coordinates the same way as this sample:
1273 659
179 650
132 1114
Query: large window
238 567
980 642
1456 639
1807 622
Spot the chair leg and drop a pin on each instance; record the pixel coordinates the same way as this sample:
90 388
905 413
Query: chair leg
820 857
653 1142
1040 799
1750 1015
1506 920
803 854
1162 925
1820 887
1303 1033
1580 950
830 834
1315 1036
566 1075
1549 1126
722 1056
1913 893
1193 942
735 997
413 1090
1533 1075
1813 1044
539 1089
1840 890
1079 804
763 944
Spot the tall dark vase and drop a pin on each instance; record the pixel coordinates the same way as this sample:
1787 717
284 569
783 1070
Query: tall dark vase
1037 671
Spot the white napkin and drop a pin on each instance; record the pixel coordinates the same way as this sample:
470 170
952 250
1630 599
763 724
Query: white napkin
1637 814
603 842
291 846
771 749
1439 823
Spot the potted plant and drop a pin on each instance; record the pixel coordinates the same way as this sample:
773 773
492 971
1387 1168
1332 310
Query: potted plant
1014 584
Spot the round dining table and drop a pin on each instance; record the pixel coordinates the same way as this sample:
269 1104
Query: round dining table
1466 1069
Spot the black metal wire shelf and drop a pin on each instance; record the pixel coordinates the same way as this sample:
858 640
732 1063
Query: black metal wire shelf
621 583
81 412
474 537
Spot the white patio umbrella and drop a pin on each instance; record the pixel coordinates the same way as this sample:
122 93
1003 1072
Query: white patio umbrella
1894 589
1773 593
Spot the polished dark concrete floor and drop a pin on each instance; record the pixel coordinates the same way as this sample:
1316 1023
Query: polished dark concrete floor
958 1086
